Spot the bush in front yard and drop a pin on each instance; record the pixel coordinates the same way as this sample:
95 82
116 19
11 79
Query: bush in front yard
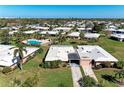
87 81
53 64
6 70
119 65
98 66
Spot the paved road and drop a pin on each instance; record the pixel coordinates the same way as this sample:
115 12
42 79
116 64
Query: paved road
76 74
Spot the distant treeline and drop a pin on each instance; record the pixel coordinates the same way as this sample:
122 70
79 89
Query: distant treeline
23 21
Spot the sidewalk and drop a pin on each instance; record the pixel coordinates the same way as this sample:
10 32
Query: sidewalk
87 67
76 74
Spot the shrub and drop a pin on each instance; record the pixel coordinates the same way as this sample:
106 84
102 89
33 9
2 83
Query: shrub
63 64
6 70
53 64
31 81
98 66
92 40
87 81
120 65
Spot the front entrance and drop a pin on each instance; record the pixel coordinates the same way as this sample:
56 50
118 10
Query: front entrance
74 61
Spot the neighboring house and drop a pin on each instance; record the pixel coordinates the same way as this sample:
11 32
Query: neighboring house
59 52
49 32
74 34
7 55
91 35
31 31
97 54
12 32
62 29
118 34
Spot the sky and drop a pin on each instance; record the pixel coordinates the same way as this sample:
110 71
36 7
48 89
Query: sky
62 11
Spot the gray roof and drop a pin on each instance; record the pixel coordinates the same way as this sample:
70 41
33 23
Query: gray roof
73 56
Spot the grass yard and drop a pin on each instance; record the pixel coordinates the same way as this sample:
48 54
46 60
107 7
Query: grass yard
62 76
104 82
47 77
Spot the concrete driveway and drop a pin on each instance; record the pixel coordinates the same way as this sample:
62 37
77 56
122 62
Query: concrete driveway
76 74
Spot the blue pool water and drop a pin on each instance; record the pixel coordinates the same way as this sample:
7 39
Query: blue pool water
34 42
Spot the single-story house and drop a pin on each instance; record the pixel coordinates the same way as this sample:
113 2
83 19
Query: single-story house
62 29
49 32
96 54
31 31
42 28
59 52
118 34
91 35
7 55
12 32
74 34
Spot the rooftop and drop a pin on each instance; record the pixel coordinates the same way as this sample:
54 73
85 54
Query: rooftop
59 52
6 55
96 53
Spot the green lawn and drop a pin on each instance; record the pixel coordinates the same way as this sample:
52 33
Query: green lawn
47 77
104 82
62 76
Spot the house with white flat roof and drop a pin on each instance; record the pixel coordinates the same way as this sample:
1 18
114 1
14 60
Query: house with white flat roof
59 52
42 28
91 35
118 34
12 32
62 29
7 55
31 31
49 32
95 53
74 34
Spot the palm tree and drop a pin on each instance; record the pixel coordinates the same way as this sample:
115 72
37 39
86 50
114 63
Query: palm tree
120 75
61 37
18 53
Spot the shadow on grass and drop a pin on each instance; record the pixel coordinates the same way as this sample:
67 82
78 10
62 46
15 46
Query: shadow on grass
109 78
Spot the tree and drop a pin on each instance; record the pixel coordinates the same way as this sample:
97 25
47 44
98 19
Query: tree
75 27
18 53
50 28
5 38
87 81
120 64
121 27
98 27
120 75
81 35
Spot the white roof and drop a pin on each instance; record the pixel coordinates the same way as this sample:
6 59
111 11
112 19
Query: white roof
83 28
6 55
49 32
91 35
12 32
96 53
31 31
63 28
59 52
121 36
74 34
43 28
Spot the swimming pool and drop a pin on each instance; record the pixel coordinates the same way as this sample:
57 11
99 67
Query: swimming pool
33 42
